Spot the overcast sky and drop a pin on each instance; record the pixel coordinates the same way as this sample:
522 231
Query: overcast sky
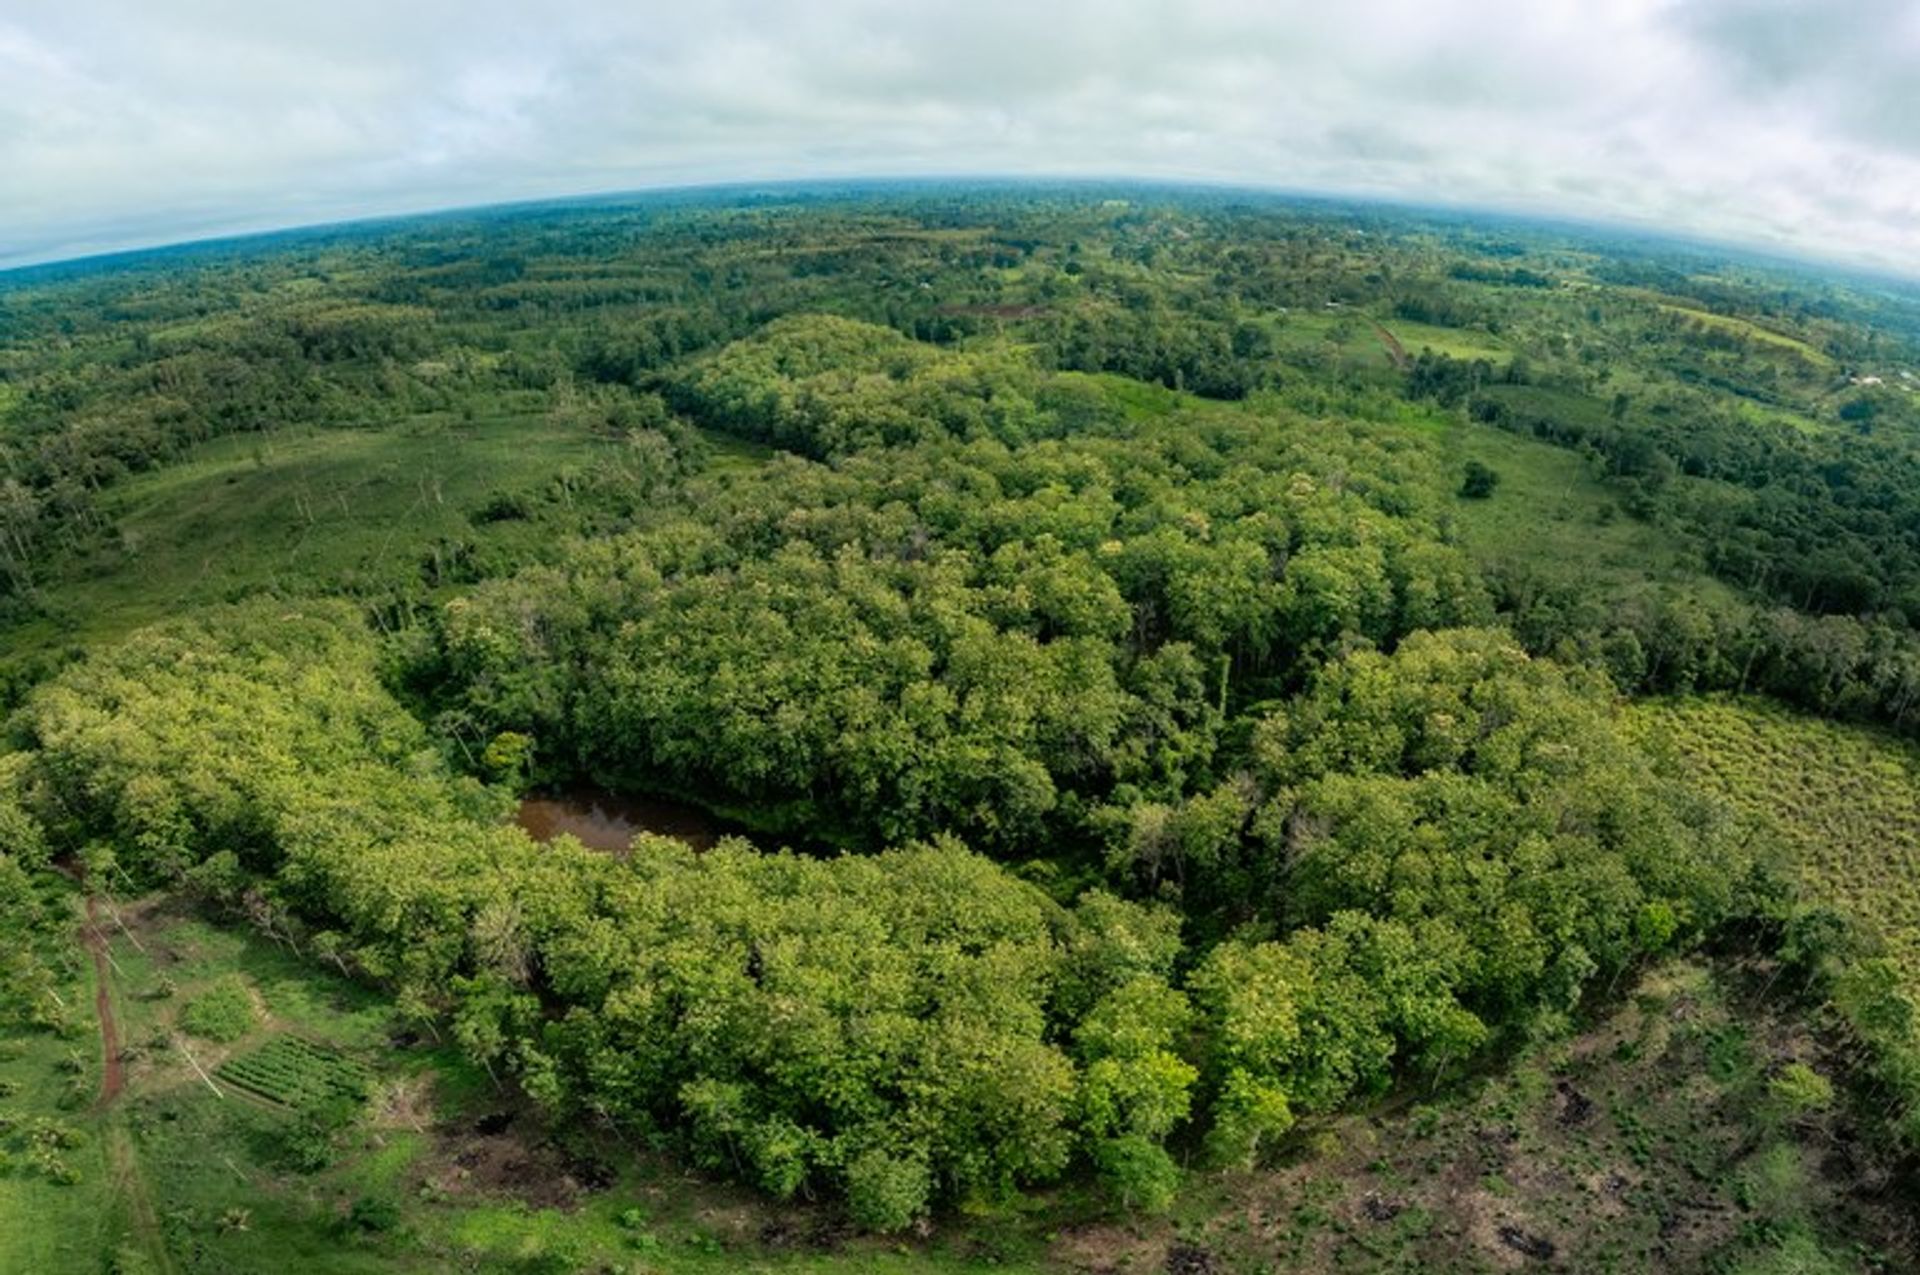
1784 123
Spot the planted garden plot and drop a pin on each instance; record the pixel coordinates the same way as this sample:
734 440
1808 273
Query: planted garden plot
296 1073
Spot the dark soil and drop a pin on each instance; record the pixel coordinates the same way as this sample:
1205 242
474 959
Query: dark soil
1527 1244
819 1231
1575 1107
592 1174
1189 1259
507 1153
1625 1149
1379 1208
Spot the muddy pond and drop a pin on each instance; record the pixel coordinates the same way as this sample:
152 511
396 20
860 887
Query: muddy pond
609 821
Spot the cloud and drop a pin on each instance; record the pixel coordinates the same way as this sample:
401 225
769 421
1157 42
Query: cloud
1783 123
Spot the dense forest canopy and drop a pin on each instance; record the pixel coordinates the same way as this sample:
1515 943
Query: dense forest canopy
1172 650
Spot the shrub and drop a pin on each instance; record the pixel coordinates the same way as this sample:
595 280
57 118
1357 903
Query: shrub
1799 1091
371 1214
1480 481
223 1013
886 1192
1139 1172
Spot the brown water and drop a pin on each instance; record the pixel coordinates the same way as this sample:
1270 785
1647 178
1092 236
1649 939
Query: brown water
606 821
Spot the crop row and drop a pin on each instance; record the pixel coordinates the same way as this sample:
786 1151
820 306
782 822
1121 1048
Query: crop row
296 1073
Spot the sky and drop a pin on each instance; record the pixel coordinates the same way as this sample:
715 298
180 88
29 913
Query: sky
1791 125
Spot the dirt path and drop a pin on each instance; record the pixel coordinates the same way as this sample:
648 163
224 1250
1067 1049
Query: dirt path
130 1184
114 1072
1395 351
123 1161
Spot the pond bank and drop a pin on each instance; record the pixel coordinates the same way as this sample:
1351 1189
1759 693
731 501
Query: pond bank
608 821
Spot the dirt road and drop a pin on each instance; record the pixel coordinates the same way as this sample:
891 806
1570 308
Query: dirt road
1395 351
123 1161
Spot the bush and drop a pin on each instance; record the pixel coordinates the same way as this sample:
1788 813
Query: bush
1799 1091
1479 482
307 1143
1139 1173
223 1013
372 1214
887 1192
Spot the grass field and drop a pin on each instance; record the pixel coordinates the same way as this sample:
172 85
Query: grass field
1551 513
1743 328
1844 800
1352 342
317 511
1459 343
45 1226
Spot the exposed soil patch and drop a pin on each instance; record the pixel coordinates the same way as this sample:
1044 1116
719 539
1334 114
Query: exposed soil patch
1380 1208
509 1153
147 924
816 1231
1395 351
493 1124
1109 1247
592 1173
1189 1259
1575 1107
1527 1244
405 1103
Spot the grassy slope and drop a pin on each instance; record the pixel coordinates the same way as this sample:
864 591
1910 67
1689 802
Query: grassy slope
1550 512
1845 800
1747 329
1348 339
307 512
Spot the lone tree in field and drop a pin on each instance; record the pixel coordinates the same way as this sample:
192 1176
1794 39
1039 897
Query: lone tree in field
1480 481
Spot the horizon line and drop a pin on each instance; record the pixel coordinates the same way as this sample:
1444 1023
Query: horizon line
1778 255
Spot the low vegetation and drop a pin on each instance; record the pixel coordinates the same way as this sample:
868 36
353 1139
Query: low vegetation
297 1073
1844 800
223 1013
